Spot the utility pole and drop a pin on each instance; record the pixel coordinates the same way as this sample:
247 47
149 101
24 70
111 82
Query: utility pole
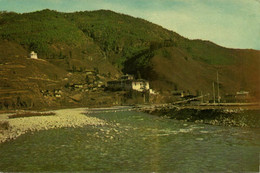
218 88
214 93
202 97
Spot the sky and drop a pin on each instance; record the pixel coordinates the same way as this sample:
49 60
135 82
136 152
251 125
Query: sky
229 23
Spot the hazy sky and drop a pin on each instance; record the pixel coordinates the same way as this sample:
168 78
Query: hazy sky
229 23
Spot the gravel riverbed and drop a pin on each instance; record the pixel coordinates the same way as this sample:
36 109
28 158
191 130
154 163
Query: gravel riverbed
62 118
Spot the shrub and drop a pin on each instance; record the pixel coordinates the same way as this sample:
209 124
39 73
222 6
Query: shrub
4 125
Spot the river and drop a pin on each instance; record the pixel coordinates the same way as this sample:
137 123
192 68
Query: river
134 141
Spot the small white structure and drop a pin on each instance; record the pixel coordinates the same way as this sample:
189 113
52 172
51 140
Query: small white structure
33 55
151 91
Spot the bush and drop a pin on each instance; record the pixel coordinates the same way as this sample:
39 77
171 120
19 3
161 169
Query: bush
4 125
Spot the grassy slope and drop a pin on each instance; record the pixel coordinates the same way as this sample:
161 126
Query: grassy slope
181 71
22 79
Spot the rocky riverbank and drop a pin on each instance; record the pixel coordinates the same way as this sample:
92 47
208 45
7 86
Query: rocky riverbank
63 118
222 116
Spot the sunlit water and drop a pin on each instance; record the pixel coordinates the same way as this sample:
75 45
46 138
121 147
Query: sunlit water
135 142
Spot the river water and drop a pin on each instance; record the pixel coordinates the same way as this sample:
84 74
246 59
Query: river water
138 142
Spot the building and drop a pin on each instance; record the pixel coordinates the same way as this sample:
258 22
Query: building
229 98
242 93
90 72
119 85
242 96
33 55
179 93
57 95
77 85
128 83
140 85
127 77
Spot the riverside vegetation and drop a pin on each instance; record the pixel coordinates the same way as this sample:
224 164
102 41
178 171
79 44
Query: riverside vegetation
215 116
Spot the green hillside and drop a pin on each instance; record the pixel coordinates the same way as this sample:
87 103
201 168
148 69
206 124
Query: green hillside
39 30
118 36
111 44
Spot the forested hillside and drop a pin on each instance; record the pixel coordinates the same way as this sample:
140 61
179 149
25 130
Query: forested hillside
110 44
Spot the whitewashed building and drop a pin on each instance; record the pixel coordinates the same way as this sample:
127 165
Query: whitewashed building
128 83
140 85
33 55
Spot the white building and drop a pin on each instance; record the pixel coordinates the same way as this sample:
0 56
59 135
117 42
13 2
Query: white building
33 55
129 84
140 85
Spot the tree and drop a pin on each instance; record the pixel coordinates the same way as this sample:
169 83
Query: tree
139 75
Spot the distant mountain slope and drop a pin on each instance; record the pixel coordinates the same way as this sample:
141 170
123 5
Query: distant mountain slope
112 44
171 68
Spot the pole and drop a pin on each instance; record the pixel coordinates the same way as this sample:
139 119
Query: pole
218 88
214 93
202 97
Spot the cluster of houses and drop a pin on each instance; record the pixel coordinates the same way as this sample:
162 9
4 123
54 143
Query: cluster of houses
52 93
128 83
93 82
84 87
240 96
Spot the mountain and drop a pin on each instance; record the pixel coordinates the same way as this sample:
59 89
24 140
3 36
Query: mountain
91 48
